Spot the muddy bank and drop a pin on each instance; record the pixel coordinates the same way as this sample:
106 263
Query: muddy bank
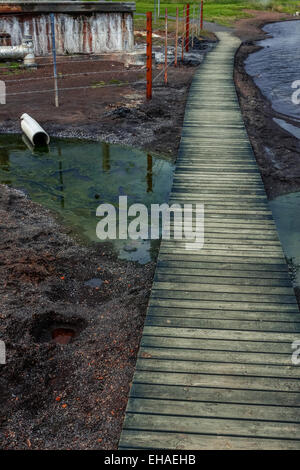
277 152
71 396
250 29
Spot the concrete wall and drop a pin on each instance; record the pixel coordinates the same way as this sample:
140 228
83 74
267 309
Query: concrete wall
80 27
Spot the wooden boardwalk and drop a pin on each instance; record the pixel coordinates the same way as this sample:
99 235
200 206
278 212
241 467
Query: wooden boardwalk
214 369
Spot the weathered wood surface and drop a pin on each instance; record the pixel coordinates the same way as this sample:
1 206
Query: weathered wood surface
214 369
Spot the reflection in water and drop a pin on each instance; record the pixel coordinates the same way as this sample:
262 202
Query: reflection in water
286 211
4 159
32 148
105 153
28 143
61 179
277 65
69 178
149 174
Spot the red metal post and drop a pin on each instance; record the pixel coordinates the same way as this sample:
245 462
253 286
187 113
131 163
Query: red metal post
149 56
176 38
201 18
166 47
187 32
193 27
182 39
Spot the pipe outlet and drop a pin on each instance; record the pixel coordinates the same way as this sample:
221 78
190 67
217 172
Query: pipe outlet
33 131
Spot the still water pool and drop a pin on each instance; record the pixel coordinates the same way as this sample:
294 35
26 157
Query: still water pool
277 65
73 177
286 210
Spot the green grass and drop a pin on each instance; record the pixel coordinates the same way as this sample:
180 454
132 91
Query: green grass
12 68
222 11
113 81
11 65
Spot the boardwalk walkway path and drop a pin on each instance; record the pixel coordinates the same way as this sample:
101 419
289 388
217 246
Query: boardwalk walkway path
214 370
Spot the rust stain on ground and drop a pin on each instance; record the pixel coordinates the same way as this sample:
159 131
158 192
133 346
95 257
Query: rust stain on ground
6 8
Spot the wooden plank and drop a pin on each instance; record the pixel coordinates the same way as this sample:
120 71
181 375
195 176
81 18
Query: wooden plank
222 305
211 266
211 409
269 299
223 257
211 344
190 424
262 317
222 334
188 277
282 384
218 198
215 356
216 232
232 324
216 368
222 288
221 249
147 440
221 235
242 248
219 395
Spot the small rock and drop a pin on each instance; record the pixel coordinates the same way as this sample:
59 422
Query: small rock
95 283
129 249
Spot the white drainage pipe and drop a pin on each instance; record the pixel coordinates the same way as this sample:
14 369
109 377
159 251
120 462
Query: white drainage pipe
33 131
24 51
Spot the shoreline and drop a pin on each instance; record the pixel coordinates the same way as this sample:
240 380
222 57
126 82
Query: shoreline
279 165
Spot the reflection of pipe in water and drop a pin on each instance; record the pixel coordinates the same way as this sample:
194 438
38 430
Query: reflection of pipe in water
61 180
4 159
149 174
106 157
28 143
31 148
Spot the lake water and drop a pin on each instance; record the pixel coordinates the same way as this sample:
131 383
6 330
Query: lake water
73 177
276 66
286 210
